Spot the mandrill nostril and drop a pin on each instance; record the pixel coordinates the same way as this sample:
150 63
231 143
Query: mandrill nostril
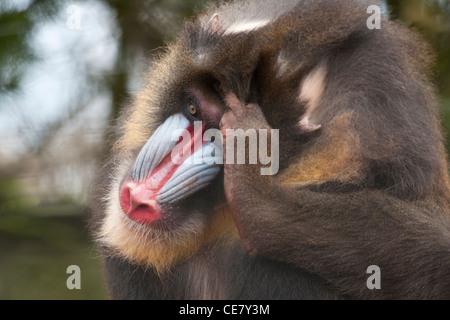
125 198
138 203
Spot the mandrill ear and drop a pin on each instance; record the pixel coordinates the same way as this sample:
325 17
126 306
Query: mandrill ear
213 24
311 91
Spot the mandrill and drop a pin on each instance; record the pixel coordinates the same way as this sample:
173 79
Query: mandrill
343 120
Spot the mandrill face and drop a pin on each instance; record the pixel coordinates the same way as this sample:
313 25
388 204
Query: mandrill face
166 198
175 163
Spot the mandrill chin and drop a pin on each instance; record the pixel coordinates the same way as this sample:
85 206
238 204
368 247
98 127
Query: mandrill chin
278 150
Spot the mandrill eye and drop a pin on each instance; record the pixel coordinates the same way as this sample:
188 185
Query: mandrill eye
193 112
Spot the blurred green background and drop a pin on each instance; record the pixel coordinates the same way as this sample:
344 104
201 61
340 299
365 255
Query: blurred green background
66 70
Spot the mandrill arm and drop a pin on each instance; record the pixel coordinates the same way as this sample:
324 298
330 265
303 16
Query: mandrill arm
338 235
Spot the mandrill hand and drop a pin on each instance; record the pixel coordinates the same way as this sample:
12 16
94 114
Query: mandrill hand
242 116
245 183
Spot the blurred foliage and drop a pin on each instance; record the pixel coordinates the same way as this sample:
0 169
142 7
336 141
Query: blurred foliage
40 238
35 253
15 27
432 19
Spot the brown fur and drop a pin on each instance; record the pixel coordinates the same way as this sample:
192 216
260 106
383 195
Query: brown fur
367 183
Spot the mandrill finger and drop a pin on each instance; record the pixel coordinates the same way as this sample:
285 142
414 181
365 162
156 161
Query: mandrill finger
226 121
236 106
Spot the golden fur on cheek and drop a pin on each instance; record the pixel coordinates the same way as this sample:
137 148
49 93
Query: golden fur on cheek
155 248
136 133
